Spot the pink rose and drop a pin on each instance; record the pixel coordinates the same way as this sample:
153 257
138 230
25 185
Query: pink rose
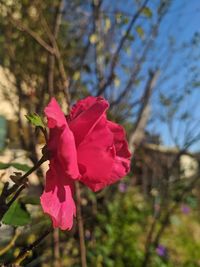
83 146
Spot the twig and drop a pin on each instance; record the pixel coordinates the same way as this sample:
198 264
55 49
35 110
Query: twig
65 81
51 59
33 34
96 5
11 243
80 227
143 113
149 240
26 251
6 192
18 192
109 80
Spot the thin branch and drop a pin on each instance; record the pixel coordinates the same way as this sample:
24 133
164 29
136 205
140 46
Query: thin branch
136 70
11 243
113 64
16 188
97 30
65 80
53 50
34 35
80 227
18 192
143 112
26 251
73 84
148 241
51 65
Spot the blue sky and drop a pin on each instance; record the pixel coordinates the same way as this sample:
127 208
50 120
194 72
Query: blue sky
181 22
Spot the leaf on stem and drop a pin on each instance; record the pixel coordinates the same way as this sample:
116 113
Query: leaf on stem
35 119
18 166
17 215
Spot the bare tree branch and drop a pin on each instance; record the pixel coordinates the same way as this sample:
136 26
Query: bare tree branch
113 64
80 226
65 81
26 251
11 244
51 58
97 30
34 35
143 114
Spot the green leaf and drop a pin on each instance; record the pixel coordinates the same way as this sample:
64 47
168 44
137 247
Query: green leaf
4 165
21 167
35 119
140 31
147 12
17 215
18 166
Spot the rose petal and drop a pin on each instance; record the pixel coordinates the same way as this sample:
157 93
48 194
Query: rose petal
98 162
85 115
54 114
61 143
82 105
57 200
120 142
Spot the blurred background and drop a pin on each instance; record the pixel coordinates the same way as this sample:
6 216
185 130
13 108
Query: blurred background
143 57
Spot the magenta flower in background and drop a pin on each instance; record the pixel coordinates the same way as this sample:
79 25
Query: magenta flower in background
122 187
185 209
161 251
83 146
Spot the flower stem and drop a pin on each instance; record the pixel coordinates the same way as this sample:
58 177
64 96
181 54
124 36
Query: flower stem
56 248
80 227
16 188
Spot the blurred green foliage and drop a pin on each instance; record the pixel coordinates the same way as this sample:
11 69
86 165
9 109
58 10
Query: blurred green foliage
121 230
116 226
